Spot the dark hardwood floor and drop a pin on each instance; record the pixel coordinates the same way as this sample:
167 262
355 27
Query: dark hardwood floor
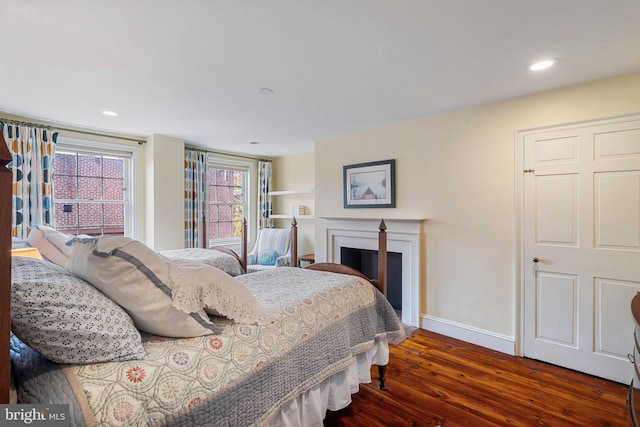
433 380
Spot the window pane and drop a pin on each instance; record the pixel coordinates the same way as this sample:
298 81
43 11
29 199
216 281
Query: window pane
224 213
66 215
65 163
212 231
64 187
90 219
223 194
89 165
213 214
113 168
238 213
226 230
112 189
114 219
238 195
89 188
216 176
238 218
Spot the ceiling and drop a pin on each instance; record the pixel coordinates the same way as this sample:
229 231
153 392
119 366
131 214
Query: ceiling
192 69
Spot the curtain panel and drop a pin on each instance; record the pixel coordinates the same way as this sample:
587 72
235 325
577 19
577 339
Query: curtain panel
195 198
33 151
264 199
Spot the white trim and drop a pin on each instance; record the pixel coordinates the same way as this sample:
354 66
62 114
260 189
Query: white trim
491 340
518 274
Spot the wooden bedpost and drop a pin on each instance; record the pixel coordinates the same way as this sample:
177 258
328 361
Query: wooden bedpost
242 258
5 270
294 242
204 231
382 285
243 255
382 258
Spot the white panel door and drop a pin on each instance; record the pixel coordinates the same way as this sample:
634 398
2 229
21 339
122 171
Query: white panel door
581 246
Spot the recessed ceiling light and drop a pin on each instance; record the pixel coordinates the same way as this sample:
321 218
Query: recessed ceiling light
265 91
543 65
254 142
110 113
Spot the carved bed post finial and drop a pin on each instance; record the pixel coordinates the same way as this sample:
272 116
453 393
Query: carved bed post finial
5 270
382 258
294 242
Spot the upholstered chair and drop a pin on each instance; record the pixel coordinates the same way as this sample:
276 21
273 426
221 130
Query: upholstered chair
272 249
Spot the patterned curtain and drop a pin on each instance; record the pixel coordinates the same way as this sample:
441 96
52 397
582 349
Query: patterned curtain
264 199
195 197
33 150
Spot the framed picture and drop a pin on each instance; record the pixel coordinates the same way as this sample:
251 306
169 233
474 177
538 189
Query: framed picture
370 185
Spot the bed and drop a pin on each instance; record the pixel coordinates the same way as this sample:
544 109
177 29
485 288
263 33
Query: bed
309 340
214 257
220 257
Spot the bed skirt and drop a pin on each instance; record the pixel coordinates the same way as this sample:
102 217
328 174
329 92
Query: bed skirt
333 393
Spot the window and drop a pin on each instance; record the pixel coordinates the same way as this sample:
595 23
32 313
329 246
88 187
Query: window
91 190
228 201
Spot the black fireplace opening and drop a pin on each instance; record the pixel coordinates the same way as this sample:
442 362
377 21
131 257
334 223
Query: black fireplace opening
366 262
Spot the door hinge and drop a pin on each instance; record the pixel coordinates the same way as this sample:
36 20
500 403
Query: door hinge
528 171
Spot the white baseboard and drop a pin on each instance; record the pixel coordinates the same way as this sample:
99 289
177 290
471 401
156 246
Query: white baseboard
491 340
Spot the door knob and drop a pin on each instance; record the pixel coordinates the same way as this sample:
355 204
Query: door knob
536 259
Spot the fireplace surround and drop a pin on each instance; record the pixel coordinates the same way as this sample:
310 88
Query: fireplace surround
403 236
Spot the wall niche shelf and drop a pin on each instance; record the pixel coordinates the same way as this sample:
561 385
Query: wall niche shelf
288 193
279 216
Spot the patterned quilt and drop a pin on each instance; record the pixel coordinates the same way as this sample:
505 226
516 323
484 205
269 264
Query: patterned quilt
242 376
214 258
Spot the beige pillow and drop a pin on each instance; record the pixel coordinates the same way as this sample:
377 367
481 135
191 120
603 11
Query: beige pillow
162 297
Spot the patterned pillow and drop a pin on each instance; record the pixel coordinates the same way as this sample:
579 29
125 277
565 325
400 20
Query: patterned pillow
268 257
66 319
162 297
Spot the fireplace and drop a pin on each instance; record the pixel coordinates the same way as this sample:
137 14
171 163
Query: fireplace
366 262
403 237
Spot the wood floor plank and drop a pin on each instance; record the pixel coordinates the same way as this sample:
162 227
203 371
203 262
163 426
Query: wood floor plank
435 380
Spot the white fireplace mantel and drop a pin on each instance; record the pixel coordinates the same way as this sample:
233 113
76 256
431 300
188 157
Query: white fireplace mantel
403 236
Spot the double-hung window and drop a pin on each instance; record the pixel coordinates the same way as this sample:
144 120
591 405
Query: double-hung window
92 186
228 193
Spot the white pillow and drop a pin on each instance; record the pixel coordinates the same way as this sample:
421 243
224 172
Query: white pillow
197 285
50 243
162 297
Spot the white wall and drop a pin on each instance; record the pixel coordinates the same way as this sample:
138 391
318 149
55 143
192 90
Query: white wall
164 194
457 170
295 172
